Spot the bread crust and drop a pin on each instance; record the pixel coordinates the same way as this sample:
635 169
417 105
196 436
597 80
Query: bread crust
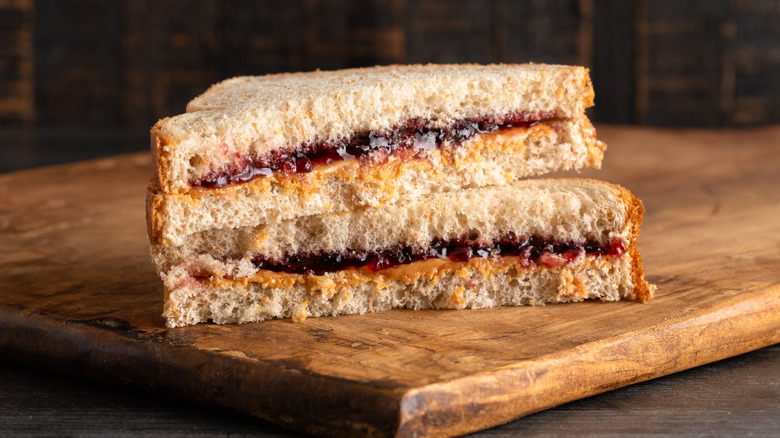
634 213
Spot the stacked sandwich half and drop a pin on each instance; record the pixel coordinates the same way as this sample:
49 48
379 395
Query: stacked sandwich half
352 191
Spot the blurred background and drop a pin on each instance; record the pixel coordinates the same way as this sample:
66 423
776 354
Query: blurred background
83 78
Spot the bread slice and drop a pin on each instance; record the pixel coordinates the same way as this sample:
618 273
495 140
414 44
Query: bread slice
487 160
259 124
460 286
526 242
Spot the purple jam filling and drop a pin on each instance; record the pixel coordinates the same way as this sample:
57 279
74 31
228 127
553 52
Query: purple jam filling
414 136
534 250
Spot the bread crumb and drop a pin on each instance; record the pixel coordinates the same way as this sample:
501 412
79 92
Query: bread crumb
301 313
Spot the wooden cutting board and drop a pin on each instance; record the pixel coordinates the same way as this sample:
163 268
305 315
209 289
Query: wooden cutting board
79 296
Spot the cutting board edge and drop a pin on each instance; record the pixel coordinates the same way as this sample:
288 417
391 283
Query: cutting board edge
72 348
529 386
462 405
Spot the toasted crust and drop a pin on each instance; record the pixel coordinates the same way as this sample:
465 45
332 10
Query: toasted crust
634 212
255 115
643 290
152 222
161 157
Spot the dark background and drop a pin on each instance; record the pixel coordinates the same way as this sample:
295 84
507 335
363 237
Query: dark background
87 78
100 73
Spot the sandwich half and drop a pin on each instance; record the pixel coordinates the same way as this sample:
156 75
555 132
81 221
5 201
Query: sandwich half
255 150
524 242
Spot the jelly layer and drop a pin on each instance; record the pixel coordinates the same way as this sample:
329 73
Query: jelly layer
414 136
532 250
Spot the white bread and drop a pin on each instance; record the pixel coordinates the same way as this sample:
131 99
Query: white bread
254 115
212 270
487 160
190 301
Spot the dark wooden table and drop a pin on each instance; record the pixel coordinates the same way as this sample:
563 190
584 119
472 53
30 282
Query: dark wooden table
739 396
735 397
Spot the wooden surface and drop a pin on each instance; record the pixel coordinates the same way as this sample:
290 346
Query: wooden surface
80 296
735 397
669 63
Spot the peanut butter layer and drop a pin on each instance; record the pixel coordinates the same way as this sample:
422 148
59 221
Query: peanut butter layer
408 265
408 274
412 137
381 169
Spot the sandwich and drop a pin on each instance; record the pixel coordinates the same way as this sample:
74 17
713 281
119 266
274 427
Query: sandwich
528 242
327 193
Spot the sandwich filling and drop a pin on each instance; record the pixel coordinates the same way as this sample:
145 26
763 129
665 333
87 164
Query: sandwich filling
531 251
328 272
411 138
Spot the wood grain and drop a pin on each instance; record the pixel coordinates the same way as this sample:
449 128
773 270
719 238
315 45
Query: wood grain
166 58
77 67
613 58
80 296
127 64
17 67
